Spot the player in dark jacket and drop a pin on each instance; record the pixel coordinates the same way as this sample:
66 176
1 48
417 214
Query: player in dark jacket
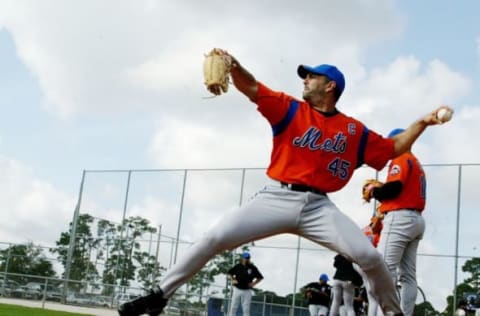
345 280
244 277
318 296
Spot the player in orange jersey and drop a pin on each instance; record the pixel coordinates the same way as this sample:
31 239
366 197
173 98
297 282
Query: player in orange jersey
402 200
316 149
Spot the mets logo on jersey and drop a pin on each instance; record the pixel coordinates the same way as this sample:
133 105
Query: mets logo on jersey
395 170
311 140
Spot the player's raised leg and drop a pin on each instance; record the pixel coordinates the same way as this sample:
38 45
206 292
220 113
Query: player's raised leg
272 211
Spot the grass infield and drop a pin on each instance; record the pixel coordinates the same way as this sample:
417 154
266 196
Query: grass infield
15 310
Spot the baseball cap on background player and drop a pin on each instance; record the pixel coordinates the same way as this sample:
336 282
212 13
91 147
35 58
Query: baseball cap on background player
395 132
329 71
323 277
246 255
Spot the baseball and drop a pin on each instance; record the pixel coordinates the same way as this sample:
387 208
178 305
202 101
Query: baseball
444 115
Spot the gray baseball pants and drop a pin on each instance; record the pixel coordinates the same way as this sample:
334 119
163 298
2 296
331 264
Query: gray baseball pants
277 210
317 310
240 296
401 234
342 290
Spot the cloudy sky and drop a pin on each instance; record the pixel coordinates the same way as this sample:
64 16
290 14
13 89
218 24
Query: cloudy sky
118 85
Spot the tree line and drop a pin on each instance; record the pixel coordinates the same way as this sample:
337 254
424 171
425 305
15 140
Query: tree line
118 261
123 261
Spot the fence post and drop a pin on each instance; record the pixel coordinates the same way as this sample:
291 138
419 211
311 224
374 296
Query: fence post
180 216
157 251
44 294
264 304
122 226
292 311
6 269
455 279
73 233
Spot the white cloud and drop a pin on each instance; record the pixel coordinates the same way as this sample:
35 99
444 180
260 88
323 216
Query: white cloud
32 209
187 144
106 64
406 87
452 142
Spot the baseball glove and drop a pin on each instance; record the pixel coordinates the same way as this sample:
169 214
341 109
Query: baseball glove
367 189
216 70
376 224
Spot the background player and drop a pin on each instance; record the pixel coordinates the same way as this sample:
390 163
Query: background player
318 296
402 200
316 149
345 280
244 276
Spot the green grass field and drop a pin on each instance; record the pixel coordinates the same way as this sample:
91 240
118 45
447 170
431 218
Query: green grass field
15 310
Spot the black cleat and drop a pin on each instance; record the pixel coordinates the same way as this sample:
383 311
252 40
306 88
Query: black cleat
151 304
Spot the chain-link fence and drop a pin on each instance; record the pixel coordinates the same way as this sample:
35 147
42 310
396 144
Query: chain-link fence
85 294
182 204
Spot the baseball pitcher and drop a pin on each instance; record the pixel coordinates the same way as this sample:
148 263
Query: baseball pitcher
316 149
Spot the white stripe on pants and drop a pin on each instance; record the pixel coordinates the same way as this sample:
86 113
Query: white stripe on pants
276 210
240 296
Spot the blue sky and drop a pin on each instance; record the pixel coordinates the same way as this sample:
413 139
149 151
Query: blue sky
35 136
118 85
437 30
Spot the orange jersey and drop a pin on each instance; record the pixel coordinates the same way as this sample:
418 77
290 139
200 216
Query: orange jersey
407 169
321 151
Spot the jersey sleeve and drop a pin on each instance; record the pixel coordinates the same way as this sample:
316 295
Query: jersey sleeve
257 274
272 104
398 170
378 150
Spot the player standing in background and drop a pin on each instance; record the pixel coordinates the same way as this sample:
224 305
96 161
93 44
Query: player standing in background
345 280
316 149
360 301
318 296
244 276
402 198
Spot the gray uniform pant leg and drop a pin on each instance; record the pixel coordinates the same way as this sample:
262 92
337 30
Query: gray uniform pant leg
372 303
272 211
401 234
240 296
276 210
342 290
322 222
317 310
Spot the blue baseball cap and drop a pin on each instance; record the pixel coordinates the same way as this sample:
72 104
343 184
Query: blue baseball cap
246 255
329 71
395 132
323 277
